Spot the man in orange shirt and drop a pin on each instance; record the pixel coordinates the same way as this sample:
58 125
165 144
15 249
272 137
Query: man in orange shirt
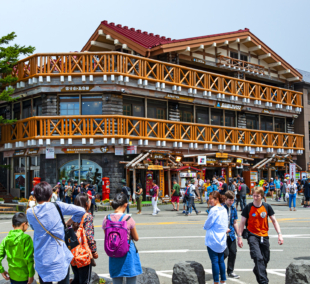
255 217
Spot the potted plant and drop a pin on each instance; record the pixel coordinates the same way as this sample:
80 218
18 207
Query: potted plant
15 200
23 201
98 203
1 200
106 202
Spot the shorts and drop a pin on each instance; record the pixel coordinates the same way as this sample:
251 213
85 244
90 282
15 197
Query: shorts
265 194
175 199
272 189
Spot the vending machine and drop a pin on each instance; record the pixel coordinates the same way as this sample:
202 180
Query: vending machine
250 178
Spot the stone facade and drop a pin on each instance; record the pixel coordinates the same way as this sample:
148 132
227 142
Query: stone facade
112 104
49 104
48 170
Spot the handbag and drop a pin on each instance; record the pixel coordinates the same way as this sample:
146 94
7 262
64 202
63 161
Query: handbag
70 236
245 234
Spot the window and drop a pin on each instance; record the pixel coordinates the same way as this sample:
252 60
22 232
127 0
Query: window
308 95
279 124
243 57
266 123
37 107
16 111
230 118
186 113
234 55
133 106
157 109
251 121
3 111
91 105
26 108
69 105
217 116
202 115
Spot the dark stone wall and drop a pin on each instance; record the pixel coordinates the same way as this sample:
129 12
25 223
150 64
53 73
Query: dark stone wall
49 104
3 171
112 104
48 170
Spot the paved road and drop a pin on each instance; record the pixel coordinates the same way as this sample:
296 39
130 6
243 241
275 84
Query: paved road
171 237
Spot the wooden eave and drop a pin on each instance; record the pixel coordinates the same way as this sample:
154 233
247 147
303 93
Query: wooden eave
115 35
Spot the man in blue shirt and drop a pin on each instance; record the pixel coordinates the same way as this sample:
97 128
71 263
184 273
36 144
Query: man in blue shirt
271 187
231 250
277 184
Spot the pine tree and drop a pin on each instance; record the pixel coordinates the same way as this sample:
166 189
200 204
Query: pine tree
9 56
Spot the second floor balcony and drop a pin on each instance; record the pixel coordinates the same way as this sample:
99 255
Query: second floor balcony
40 130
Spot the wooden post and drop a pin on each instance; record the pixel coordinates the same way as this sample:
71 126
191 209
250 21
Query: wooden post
133 183
269 173
169 183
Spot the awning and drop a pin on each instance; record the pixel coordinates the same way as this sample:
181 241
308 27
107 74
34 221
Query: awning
186 168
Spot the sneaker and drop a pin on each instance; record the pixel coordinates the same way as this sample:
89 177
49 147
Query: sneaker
184 212
233 275
158 210
198 212
154 214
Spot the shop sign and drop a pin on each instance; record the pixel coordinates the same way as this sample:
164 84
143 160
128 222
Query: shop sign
158 156
211 161
297 176
104 149
162 182
226 161
119 151
178 98
202 160
221 155
50 153
228 106
308 175
77 88
293 171
188 174
155 167
223 173
33 151
266 111
8 154
20 153
279 164
254 177
77 150
131 150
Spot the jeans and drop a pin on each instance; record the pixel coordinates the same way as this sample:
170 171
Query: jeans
73 198
292 198
129 280
128 208
64 281
242 201
231 253
68 199
82 275
18 282
191 204
154 204
260 254
218 265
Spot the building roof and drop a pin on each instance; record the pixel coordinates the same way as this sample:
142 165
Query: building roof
305 75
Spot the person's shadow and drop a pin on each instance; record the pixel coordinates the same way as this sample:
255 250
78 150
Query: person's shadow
302 258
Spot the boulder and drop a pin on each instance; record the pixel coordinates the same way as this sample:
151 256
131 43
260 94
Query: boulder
188 272
149 276
94 278
298 272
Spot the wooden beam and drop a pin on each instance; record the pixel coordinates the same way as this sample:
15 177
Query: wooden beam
259 163
226 42
248 39
103 45
254 48
135 159
200 48
293 79
276 64
101 33
108 37
143 157
264 56
284 71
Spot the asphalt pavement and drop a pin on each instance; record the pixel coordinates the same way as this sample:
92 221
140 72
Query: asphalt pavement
171 237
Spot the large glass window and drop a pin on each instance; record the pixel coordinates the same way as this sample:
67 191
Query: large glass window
37 107
26 108
230 118
133 106
16 111
69 105
216 116
279 124
266 123
251 121
157 109
202 115
186 112
91 105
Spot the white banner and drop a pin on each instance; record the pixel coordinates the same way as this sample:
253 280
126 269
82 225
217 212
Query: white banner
202 160
50 153
293 172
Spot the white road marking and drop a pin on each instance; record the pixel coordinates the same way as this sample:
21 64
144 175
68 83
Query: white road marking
271 271
164 274
188 250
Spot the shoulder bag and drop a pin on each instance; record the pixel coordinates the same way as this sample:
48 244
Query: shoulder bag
70 236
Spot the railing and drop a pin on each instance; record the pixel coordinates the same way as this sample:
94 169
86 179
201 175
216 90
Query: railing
241 65
116 63
76 127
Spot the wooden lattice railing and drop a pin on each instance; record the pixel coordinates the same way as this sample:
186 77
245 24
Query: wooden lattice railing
136 67
101 126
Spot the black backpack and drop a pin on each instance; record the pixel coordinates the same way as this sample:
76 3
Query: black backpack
152 191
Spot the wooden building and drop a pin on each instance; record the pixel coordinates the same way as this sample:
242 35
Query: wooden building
79 114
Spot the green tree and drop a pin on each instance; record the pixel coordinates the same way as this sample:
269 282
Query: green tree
9 56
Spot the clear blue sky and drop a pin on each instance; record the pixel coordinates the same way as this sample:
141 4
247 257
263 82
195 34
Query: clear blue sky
66 25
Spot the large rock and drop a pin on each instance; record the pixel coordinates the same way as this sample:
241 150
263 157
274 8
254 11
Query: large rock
94 278
149 276
298 272
188 272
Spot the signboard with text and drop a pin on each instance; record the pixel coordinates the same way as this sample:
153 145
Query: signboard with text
293 171
50 153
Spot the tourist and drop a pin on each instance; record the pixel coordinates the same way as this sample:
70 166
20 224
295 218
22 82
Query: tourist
224 187
46 218
82 275
128 266
75 191
292 190
242 193
215 241
283 189
205 186
154 191
209 190
82 187
18 247
57 187
307 193
277 184
31 201
185 198
266 189
126 190
200 188
190 192
62 189
272 187
68 192
54 195
139 197
175 196
92 194
231 250
256 214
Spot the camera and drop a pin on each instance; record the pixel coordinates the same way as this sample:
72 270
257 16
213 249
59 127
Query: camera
123 91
